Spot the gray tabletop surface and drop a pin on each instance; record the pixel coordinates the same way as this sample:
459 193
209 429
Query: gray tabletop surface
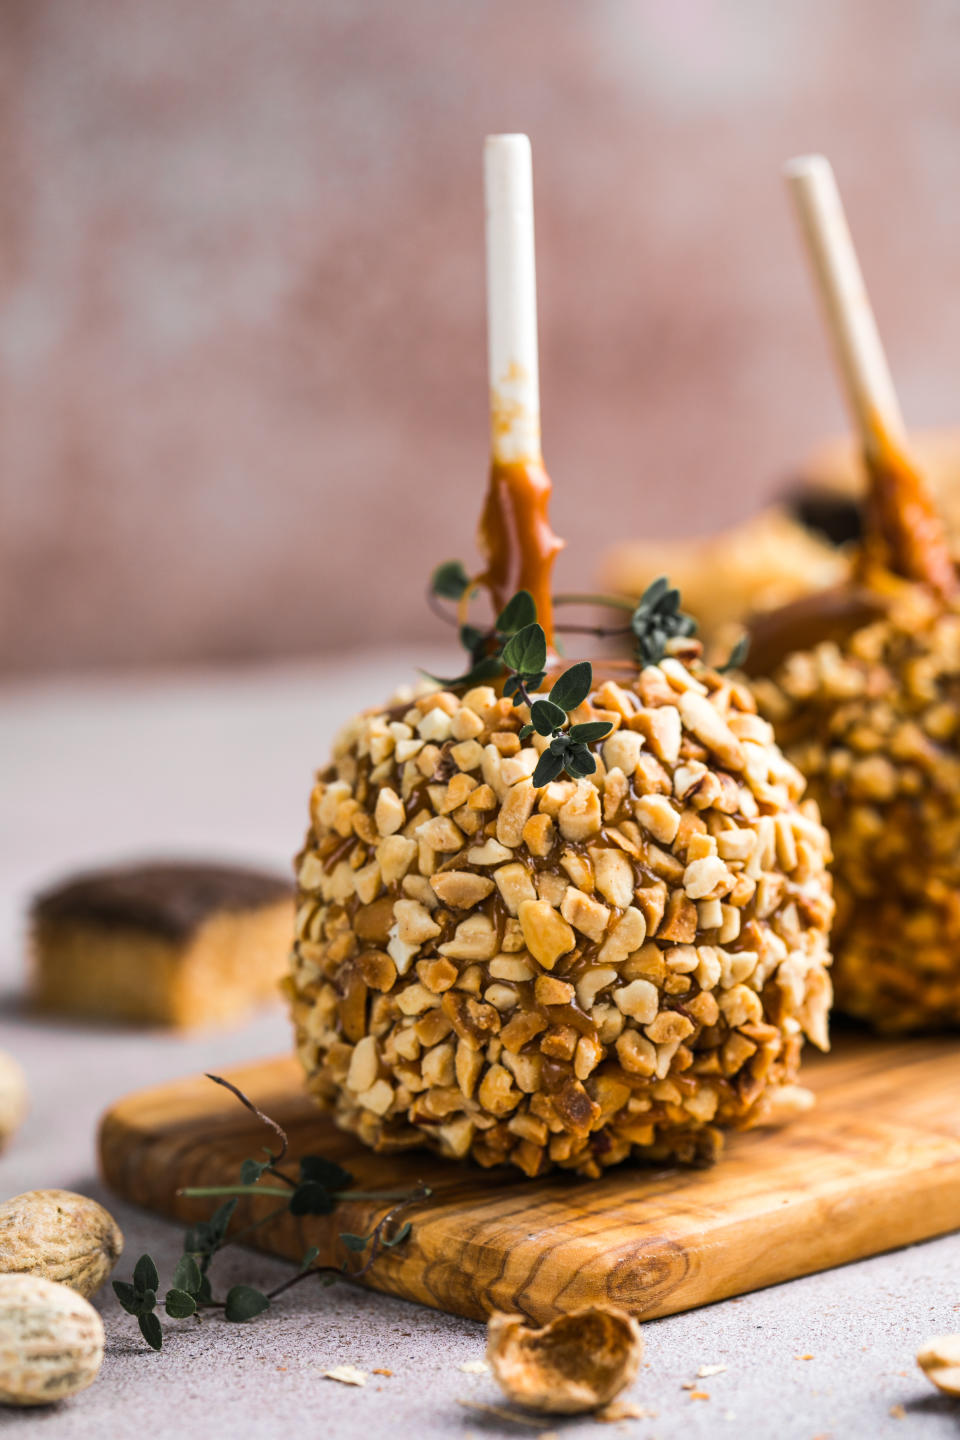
220 765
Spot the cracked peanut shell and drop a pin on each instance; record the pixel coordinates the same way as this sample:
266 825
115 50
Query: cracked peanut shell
573 1364
570 975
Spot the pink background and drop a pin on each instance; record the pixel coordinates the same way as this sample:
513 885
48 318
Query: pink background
242 390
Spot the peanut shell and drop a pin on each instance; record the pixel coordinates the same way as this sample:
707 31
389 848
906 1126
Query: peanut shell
57 1235
51 1341
571 1365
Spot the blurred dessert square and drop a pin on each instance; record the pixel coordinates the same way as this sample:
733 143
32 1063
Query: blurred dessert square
161 943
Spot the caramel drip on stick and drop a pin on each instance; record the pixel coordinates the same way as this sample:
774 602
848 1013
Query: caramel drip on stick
905 532
515 535
516 538
904 528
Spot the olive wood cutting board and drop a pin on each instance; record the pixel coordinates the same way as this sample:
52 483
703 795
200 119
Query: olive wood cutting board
875 1165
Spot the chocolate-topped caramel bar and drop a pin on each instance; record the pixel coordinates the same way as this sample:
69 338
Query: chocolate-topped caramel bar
161 942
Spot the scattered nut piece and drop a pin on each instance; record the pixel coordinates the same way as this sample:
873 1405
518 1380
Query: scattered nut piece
461 889
581 816
584 913
939 1359
13 1097
51 1341
346 1374
388 812
491 853
785 1103
474 1367
624 1410
573 1364
547 934
515 811
57 1235
414 922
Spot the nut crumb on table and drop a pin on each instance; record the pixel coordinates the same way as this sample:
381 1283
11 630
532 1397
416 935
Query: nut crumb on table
347 1375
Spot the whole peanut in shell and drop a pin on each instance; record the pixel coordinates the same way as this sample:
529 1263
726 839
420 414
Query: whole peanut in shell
57 1235
51 1341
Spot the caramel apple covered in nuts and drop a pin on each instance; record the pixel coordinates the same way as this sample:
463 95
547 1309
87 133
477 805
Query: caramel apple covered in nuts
569 973
545 919
865 692
874 724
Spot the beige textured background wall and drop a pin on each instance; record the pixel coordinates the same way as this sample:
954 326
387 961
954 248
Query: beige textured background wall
242 396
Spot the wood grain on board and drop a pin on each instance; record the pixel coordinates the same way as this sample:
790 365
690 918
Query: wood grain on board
875 1165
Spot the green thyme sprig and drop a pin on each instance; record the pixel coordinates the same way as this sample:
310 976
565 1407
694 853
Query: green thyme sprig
485 647
654 620
658 618
319 1187
568 744
516 648
738 654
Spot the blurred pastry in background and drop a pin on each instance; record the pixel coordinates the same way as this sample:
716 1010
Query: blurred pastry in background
161 943
756 566
793 548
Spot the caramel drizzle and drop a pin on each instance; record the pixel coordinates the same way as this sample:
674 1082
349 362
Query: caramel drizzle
904 529
904 538
516 538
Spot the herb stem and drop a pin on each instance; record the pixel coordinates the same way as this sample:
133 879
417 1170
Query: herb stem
601 631
440 610
248 1104
522 692
615 602
304 1275
421 1193
254 1225
311 1194
198 1192
272 1170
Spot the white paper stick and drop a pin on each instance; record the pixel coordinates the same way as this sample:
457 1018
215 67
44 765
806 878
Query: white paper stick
513 363
853 329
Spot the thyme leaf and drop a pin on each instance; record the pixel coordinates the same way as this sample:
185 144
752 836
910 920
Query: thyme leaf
515 650
737 656
450 580
657 618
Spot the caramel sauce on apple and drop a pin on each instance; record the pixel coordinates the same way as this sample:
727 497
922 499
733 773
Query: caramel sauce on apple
904 540
904 529
516 538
